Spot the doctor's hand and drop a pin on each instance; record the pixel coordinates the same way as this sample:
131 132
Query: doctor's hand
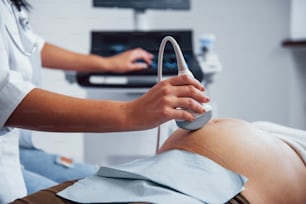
160 103
130 60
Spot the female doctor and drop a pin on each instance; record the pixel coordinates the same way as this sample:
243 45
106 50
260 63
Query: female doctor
24 106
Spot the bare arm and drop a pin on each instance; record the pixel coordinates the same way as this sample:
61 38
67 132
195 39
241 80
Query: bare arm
47 111
59 58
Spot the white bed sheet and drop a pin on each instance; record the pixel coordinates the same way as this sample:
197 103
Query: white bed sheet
296 138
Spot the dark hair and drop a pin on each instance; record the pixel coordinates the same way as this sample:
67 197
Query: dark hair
21 4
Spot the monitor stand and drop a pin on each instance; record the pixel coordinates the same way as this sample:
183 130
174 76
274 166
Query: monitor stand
140 20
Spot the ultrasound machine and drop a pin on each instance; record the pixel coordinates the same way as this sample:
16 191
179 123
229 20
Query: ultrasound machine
113 148
117 147
108 43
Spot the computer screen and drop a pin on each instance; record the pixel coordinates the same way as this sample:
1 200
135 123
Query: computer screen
109 43
144 4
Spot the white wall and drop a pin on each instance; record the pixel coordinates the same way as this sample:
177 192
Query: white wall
257 78
298 96
249 35
298 16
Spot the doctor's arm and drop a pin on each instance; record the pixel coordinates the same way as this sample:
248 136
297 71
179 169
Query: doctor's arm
46 111
59 58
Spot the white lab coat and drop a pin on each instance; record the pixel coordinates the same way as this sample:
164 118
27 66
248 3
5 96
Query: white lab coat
19 74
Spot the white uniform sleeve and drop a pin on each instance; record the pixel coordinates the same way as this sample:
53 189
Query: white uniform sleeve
12 87
40 42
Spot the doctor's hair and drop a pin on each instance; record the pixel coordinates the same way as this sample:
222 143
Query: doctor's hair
21 4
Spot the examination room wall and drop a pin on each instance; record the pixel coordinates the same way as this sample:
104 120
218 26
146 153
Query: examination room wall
259 79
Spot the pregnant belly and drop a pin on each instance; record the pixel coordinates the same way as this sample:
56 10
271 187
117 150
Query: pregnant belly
270 165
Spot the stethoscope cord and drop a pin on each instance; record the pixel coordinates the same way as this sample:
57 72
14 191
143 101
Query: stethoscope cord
19 47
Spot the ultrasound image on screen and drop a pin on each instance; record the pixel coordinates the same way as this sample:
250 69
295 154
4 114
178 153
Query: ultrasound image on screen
112 43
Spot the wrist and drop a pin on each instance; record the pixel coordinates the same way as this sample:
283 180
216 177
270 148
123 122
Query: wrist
98 63
130 121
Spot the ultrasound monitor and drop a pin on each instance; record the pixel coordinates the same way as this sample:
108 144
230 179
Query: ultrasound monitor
109 43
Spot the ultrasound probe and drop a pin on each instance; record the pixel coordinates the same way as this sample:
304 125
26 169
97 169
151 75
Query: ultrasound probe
200 119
